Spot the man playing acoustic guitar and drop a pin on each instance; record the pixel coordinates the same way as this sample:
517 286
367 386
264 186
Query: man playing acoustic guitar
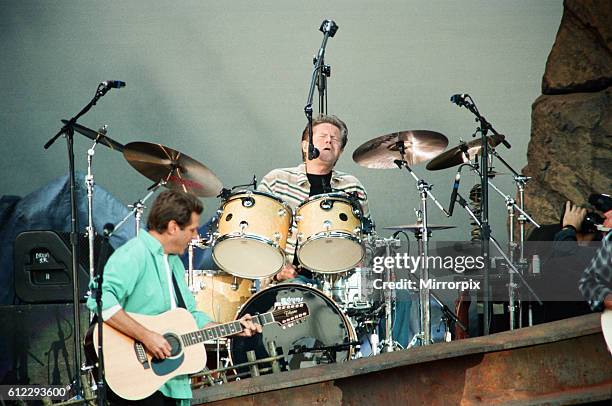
146 276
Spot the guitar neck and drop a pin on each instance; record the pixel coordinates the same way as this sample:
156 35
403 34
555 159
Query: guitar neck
224 330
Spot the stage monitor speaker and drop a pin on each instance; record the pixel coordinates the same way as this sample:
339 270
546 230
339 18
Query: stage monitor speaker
37 343
43 265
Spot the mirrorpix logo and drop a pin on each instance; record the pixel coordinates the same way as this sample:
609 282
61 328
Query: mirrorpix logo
403 261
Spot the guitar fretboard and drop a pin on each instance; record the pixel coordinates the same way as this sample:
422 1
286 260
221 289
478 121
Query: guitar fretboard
223 330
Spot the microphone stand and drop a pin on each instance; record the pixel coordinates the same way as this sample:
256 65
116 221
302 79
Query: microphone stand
319 77
68 131
485 229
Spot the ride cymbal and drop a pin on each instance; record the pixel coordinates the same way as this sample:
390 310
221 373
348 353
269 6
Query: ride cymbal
158 162
455 155
382 152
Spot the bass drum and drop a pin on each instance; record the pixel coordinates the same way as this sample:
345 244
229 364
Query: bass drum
325 326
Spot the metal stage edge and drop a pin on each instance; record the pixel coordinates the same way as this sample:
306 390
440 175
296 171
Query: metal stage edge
562 362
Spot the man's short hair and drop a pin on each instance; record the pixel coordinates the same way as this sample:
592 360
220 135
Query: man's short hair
333 120
173 205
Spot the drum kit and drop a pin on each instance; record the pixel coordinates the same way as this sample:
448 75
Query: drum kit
334 241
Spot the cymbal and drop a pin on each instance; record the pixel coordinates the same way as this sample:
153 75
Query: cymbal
158 162
93 134
455 156
417 227
381 152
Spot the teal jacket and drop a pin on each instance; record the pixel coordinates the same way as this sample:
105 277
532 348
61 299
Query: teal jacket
135 278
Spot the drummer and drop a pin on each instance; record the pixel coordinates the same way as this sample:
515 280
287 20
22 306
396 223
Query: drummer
313 177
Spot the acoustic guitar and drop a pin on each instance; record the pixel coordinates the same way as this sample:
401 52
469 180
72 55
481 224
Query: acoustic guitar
132 373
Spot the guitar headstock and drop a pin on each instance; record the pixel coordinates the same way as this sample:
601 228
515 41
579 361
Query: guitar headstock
290 315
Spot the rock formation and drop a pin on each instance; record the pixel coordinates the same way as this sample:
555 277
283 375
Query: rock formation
570 152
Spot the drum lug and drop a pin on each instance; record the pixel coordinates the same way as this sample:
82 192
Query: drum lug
357 230
243 226
327 224
300 236
282 212
298 218
277 237
234 285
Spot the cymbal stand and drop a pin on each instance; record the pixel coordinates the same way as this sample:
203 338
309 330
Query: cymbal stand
138 208
447 314
424 191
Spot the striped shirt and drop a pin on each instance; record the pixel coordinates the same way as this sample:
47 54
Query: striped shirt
292 186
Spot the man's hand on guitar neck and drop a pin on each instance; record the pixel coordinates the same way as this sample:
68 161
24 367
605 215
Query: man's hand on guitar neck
250 328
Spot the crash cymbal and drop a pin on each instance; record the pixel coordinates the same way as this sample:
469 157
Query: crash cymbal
158 162
417 227
455 156
93 134
383 151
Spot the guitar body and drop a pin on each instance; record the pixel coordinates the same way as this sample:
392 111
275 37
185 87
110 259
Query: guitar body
131 372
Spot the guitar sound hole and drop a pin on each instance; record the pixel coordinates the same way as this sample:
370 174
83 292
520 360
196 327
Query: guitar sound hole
174 342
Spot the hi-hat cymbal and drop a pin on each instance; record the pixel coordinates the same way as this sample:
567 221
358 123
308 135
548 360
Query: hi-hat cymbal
417 227
102 138
158 162
382 152
455 156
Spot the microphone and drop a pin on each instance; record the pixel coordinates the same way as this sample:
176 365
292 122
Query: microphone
117 84
453 198
329 26
313 152
459 99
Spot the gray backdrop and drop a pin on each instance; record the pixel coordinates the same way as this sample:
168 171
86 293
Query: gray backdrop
226 82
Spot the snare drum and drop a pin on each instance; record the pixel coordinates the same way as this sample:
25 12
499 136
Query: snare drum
325 326
329 233
251 234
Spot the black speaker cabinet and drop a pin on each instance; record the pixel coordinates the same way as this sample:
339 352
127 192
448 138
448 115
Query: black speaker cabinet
43 265
37 343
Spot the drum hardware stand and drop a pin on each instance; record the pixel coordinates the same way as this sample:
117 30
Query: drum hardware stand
225 192
520 181
329 350
254 370
521 264
493 241
138 207
68 131
320 73
388 344
425 191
